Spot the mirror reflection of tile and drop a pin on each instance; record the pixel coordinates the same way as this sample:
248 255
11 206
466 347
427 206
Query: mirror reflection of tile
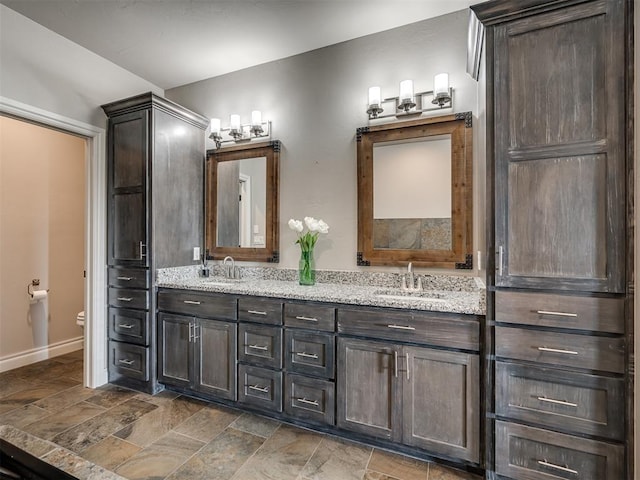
412 233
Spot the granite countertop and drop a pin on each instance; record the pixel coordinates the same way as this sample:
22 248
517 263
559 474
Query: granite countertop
55 455
435 297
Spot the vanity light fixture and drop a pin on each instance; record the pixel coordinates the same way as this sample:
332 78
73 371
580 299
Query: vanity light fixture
410 103
237 131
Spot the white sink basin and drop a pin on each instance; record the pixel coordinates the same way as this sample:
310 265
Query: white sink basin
410 297
221 282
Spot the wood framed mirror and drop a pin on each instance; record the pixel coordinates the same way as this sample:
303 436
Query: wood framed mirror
241 202
415 198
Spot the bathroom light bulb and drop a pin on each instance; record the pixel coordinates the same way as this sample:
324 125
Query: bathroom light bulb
374 96
234 122
406 90
215 126
256 118
441 84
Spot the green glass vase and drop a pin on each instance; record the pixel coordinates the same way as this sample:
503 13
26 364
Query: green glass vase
307 268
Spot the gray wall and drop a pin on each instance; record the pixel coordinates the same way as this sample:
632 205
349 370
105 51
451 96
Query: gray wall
317 100
43 69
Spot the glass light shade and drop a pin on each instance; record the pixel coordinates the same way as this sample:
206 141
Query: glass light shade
374 96
256 118
234 122
406 90
441 83
215 126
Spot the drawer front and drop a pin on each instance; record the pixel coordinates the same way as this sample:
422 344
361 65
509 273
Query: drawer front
562 311
128 298
310 353
260 345
260 387
260 310
308 315
561 349
577 402
528 453
129 277
197 304
129 325
129 360
446 330
309 399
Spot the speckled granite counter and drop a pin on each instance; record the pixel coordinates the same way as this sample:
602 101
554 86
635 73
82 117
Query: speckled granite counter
55 455
442 293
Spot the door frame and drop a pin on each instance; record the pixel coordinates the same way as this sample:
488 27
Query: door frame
95 328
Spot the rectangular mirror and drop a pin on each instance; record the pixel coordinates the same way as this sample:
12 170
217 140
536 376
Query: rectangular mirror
242 202
414 193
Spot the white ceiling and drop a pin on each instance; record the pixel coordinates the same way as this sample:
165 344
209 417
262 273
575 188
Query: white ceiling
175 42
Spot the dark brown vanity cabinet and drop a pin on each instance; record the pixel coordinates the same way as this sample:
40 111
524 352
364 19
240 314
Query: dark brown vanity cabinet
419 396
559 208
155 161
197 353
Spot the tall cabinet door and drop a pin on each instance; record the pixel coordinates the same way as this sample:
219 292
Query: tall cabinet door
215 358
560 149
127 188
441 402
175 350
369 399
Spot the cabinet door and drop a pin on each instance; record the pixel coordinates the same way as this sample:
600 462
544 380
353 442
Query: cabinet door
441 402
128 154
368 399
175 349
560 149
215 358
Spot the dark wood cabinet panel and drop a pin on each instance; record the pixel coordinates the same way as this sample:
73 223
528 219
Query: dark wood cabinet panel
127 325
310 353
260 310
309 399
260 387
215 358
129 361
197 304
441 402
174 353
260 345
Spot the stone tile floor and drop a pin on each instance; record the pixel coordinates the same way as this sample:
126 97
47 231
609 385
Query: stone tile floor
174 437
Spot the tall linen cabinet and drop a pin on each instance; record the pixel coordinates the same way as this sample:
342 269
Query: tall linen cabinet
560 230
155 181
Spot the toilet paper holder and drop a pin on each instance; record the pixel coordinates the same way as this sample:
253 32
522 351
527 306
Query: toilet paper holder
34 283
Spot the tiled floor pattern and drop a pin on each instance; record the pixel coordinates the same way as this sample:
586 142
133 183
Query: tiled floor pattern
173 437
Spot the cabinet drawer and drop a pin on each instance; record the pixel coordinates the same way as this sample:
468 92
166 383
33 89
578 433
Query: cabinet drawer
577 402
260 345
128 298
197 304
129 277
310 353
309 399
447 330
129 325
307 315
260 387
128 360
261 310
561 349
528 453
562 311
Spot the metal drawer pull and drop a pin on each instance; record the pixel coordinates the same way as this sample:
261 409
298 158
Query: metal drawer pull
196 328
558 402
256 312
125 299
191 302
126 279
142 246
308 402
126 362
191 325
126 325
401 327
308 319
307 355
544 463
259 347
407 358
259 388
557 350
557 314
395 363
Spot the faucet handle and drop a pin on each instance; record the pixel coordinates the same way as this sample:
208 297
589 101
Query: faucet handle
419 287
403 284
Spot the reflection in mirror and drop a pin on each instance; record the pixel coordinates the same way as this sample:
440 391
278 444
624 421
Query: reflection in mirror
414 193
242 202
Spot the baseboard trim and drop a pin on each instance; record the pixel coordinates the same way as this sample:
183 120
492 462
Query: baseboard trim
42 353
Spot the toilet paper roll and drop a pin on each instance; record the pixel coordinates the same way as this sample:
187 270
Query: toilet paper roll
38 295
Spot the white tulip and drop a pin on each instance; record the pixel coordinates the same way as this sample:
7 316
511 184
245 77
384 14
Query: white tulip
323 227
312 224
295 225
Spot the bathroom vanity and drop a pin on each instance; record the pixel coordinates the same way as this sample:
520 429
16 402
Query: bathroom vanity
391 368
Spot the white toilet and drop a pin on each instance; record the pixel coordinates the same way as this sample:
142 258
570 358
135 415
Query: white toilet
80 319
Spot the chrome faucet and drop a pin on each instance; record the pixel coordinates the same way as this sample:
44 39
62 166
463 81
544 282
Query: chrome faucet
230 271
408 280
